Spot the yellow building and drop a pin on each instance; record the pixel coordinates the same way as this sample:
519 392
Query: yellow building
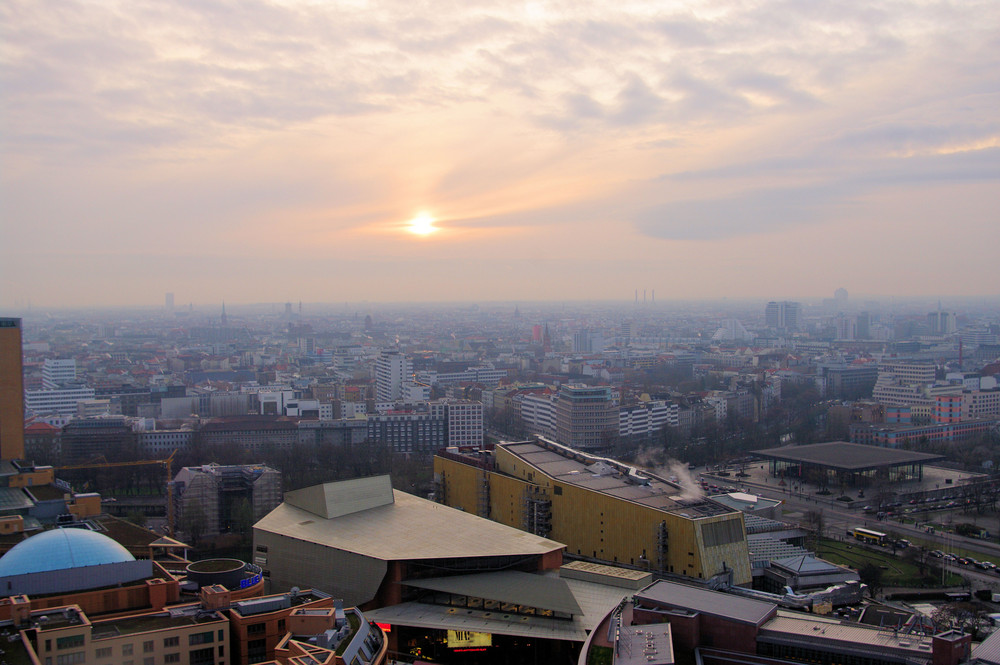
600 508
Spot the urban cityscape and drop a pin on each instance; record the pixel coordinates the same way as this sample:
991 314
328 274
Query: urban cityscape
502 482
368 332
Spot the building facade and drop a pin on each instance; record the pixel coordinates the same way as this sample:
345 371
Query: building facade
601 509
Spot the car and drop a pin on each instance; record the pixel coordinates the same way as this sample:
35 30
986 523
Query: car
937 554
965 561
950 558
984 565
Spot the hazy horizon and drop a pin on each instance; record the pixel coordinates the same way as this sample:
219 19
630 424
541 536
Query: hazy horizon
490 151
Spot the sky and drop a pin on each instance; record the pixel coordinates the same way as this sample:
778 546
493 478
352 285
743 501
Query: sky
260 151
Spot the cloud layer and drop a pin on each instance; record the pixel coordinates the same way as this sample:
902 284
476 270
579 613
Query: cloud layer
573 132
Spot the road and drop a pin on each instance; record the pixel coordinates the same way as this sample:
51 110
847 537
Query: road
838 518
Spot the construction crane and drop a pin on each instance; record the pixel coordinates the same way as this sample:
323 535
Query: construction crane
167 464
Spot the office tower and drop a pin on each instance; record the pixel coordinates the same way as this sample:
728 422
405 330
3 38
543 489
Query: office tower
588 341
586 417
782 315
941 323
57 373
864 327
392 369
11 390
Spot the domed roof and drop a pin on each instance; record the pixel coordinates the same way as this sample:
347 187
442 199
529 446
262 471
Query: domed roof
60 549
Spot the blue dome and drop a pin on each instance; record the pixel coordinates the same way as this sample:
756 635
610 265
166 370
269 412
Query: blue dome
60 549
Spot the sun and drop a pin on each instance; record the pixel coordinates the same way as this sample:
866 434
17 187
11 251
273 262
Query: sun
422 225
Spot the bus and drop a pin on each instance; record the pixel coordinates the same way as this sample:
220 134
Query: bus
870 537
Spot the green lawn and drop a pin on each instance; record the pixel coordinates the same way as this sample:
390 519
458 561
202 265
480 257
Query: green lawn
898 570
600 656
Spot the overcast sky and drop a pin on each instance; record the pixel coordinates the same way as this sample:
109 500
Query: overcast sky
259 151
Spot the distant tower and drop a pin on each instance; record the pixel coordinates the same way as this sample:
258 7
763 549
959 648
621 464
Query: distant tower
11 390
288 310
168 301
222 319
546 340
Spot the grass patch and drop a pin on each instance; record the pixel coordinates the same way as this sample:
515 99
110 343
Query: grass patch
600 656
897 570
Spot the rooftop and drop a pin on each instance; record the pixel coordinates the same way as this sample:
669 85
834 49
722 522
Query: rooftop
61 549
595 601
706 601
613 478
508 587
409 528
149 622
847 456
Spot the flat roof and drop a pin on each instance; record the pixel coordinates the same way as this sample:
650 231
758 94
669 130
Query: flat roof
706 601
599 474
507 586
409 528
851 637
845 456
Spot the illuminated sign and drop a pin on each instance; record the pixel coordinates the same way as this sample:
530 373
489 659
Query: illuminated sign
466 638
386 627
248 582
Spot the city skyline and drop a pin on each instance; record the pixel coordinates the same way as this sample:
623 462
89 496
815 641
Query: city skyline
374 151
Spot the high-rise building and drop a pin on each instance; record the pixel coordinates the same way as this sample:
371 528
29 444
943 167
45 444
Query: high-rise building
392 369
782 315
941 323
56 373
11 390
588 341
586 417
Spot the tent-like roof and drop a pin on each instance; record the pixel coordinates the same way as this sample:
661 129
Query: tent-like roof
408 528
510 586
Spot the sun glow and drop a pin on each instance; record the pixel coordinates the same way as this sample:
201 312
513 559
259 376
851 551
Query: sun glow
422 225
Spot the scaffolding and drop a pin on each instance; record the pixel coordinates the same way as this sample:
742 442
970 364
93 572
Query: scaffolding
537 512
483 495
662 545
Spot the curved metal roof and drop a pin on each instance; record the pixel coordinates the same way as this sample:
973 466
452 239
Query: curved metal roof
61 549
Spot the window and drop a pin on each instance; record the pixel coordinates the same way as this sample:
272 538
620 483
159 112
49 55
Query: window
171 641
256 629
172 658
147 647
103 652
70 642
126 649
203 657
71 658
256 650
200 638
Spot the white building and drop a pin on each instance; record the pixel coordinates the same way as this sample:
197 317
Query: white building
57 372
392 370
61 402
539 414
465 421
158 444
